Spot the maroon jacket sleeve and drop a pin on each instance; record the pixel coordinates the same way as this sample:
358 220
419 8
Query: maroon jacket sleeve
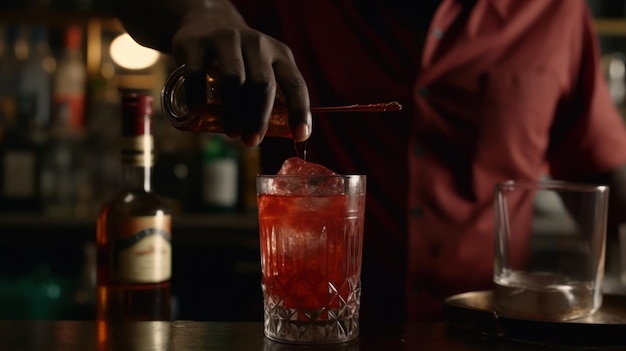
589 134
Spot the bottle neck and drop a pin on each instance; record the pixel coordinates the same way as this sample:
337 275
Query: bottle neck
137 161
136 177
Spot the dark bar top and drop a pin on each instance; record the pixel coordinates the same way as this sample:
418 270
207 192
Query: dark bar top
238 336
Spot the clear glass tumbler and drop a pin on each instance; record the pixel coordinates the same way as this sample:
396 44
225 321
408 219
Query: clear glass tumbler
549 249
311 233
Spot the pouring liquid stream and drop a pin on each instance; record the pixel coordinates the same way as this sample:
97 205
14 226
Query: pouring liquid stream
300 148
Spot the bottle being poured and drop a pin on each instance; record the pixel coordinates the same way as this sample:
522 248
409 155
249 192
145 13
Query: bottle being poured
206 117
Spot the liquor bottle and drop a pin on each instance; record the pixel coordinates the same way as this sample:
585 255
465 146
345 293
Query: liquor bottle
35 77
205 117
220 174
9 67
133 229
22 146
65 179
69 83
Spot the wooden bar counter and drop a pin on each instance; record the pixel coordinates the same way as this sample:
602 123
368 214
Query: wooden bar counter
238 336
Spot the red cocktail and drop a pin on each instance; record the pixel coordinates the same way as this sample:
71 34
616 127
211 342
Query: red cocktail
311 230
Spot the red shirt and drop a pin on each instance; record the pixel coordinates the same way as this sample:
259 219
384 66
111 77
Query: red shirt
498 90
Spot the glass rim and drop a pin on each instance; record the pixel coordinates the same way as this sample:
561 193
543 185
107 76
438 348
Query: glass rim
274 176
550 185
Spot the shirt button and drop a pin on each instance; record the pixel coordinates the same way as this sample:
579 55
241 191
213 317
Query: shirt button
417 212
437 33
423 91
418 151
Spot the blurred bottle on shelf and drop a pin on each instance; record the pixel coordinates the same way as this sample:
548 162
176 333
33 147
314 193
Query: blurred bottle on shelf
206 173
8 77
69 84
220 174
177 172
20 153
35 77
66 183
25 115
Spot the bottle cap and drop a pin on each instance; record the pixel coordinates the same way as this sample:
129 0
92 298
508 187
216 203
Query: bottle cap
136 112
73 38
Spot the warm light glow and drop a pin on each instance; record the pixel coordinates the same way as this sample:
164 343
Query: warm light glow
127 53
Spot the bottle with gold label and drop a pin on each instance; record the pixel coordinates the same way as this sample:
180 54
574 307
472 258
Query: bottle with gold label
134 229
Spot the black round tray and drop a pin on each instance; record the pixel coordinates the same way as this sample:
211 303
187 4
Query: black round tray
605 328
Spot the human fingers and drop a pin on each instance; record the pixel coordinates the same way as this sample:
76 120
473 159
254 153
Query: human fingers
219 52
259 90
296 93
194 51
231 70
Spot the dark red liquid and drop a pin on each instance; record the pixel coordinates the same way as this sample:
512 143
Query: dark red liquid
310 262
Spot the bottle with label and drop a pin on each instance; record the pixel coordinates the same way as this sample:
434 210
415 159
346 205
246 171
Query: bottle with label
134 230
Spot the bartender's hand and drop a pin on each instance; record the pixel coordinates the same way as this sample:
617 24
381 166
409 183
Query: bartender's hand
212 34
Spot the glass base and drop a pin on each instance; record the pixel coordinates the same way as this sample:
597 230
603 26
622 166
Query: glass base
291 330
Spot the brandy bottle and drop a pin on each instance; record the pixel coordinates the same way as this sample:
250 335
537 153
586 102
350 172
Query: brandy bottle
206 117
134 230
